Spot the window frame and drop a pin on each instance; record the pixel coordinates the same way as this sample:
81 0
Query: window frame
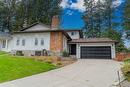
36 42
18 42
42 41
23 42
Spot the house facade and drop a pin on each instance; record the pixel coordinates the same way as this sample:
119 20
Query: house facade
35 39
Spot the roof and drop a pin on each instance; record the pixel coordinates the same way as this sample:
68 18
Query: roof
35 25
93 40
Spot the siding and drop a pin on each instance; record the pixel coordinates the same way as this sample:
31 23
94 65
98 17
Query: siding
76 36
30 41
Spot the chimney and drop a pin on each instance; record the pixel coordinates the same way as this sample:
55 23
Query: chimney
55 22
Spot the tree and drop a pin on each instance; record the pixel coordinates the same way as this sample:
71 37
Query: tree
127 18
114 35
17 14
98 17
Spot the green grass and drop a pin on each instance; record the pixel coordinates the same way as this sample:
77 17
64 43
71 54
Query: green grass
14 67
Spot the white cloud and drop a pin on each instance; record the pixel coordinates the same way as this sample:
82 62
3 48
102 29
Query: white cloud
79 5
64 4
69 12
117 3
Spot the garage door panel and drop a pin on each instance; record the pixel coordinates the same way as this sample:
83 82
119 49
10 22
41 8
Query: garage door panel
96 52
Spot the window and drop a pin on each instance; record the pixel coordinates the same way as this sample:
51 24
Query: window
73 33
36 41
4 44
17 42
23 42
42 41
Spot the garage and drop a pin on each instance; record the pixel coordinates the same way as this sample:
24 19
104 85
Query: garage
96 52
94 48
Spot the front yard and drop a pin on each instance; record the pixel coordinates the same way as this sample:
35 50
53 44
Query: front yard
14 67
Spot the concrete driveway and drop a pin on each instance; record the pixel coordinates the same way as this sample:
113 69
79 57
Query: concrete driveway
83 73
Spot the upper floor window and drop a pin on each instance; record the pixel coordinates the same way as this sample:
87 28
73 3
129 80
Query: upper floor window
73 33
36 41
42 41
23 42
17 42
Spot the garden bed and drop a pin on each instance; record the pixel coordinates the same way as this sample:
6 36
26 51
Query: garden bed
58 61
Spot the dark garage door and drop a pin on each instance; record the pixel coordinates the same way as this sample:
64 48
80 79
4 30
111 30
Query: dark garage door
102 52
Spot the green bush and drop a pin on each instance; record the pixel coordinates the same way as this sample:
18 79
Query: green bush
126 68
127 60
59 64
65 54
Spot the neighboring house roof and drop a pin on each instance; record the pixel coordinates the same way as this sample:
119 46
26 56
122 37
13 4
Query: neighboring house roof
93 40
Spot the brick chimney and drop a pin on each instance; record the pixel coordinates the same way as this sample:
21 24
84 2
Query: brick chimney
55 22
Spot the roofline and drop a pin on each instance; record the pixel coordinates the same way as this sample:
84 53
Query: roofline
69 38
34 25
95 42
71 30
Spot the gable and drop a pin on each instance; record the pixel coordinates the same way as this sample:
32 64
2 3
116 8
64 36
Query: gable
37 27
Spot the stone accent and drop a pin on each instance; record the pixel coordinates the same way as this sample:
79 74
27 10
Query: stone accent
56 41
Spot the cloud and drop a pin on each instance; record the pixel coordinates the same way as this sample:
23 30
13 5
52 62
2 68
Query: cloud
79 5
64 4
117 3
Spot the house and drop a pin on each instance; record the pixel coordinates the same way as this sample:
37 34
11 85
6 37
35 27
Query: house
33 40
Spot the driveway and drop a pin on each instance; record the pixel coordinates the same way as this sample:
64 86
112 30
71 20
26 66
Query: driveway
83 73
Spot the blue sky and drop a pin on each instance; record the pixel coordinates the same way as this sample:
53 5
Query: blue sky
72 19
73 11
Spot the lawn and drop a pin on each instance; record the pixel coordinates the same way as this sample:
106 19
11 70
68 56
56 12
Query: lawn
14 67
126 69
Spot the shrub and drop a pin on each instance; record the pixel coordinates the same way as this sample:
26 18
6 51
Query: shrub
126 68
65 54
127 60
59 64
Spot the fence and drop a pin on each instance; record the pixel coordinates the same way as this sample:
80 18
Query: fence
122 56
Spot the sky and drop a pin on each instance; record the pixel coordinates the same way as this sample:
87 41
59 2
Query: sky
73 11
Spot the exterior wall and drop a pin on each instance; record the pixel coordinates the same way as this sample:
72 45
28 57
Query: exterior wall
113 53
29 42
56 44
65 47
76 36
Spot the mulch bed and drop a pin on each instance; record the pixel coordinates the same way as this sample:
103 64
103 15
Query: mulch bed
59 61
